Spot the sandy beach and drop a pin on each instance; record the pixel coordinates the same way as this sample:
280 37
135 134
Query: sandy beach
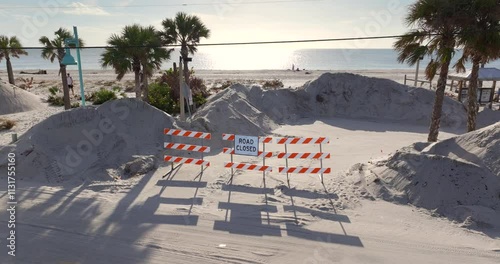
378 205
94 79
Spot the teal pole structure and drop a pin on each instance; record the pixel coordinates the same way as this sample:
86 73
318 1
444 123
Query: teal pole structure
82 93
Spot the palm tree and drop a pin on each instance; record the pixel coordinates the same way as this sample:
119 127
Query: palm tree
54 49
436 22
10 47
138 50
480 39
186 30
151 56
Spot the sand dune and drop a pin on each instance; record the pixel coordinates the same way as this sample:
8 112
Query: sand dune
458 178
15 100
90 143
257 111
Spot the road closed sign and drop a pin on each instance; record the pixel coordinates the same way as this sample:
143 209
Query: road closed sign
246 145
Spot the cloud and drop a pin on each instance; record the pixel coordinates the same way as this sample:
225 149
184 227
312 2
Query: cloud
78 8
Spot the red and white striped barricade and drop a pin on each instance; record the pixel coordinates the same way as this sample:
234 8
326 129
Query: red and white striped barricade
202 136
256 153
307 155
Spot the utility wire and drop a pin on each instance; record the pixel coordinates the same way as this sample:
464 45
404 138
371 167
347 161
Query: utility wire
167 5
246 43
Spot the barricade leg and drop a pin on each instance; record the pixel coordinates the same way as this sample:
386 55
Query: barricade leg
202 156
321 162
171 170
232 170
286 165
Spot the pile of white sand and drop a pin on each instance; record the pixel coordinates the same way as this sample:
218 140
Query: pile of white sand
458 178
15 100
355 96
232 111
254 111
90 143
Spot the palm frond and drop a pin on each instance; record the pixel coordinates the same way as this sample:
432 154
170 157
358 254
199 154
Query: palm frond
186 30
136 48
431 69
11 47
460 64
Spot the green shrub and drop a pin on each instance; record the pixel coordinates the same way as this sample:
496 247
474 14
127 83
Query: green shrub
171 79
55 100
198 86
53 90
75 105
226 84
274 84
199 99
103 96
160 96
117 89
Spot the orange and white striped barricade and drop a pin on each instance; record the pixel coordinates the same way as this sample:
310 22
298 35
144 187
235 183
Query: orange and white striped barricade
187 147
256 152
308 155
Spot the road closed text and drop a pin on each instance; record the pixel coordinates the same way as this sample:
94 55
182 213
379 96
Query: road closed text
246 145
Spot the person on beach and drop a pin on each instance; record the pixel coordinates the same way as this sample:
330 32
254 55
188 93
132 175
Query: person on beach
70 84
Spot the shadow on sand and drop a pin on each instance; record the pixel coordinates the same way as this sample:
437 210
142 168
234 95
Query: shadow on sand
153 203
255 220
67 227
298 231
246 219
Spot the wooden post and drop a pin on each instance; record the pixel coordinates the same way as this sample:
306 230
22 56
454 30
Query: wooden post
405 80
416 73
492 95
460 87
181 98
452 82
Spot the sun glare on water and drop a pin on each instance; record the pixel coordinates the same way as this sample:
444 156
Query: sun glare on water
246 58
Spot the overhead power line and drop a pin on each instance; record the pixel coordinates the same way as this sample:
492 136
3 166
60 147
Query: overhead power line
167 5
251 43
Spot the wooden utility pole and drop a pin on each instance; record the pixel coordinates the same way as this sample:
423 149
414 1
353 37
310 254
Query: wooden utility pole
181 98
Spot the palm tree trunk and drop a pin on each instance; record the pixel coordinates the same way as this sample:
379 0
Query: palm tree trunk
438 102
472 96
146 88
186 69
185 56
137 72
67 101
9 71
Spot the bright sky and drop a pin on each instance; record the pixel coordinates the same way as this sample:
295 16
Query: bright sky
228 20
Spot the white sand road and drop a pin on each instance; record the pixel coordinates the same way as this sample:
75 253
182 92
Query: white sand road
185 218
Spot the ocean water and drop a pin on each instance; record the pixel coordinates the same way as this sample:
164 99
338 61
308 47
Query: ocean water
252 58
